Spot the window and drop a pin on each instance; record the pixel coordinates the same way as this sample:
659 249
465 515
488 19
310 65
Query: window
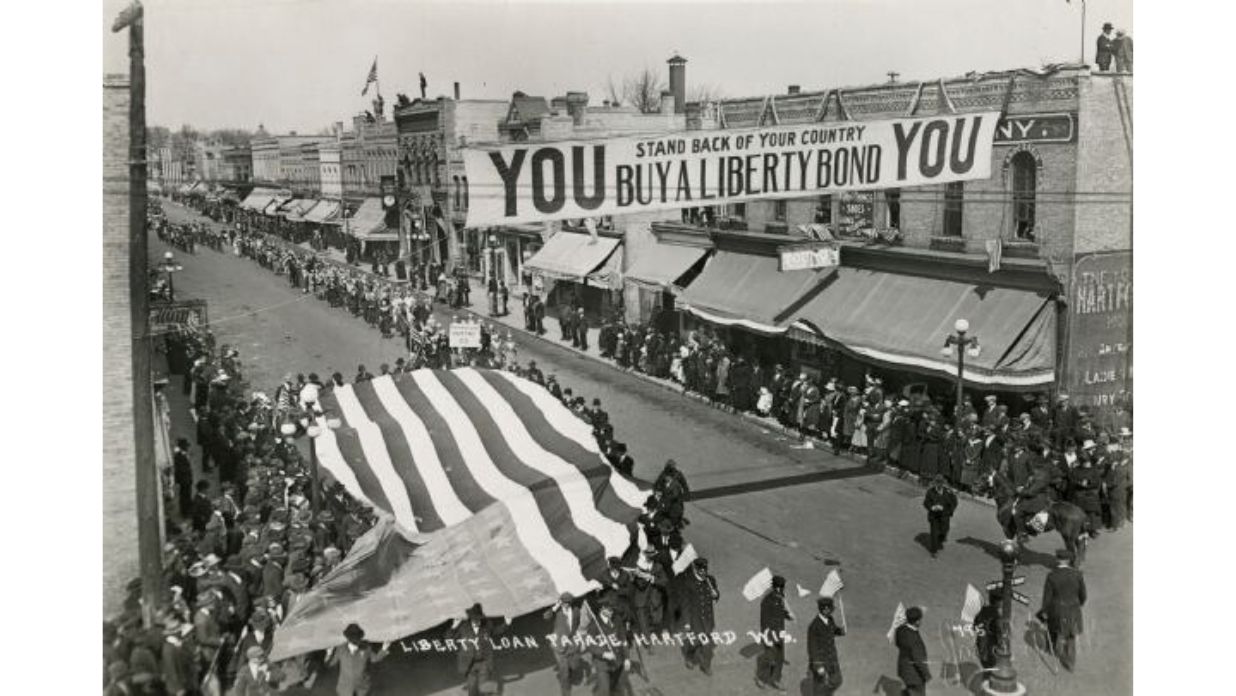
455 179
824 210
953 194
892 201
465 193
1025 181
779 209
738 210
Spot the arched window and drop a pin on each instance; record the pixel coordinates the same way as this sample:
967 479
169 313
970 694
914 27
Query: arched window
1025 182
455 180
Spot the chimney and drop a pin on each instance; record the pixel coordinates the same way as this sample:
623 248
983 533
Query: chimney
456 91
678 82
667 102
558 105
794 89
577 104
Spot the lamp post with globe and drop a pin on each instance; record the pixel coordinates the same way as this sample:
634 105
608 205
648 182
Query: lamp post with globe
169 266
965 345
313 423
1003 678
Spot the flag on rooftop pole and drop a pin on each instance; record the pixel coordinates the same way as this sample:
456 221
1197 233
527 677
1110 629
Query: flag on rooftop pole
757 585
899 617
372 78
972 605
832 584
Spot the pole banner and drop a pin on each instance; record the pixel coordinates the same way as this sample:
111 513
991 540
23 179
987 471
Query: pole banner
534 182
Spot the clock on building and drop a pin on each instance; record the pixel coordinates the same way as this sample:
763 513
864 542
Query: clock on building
388 200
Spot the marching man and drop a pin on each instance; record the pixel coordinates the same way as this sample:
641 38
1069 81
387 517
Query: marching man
824 667
773 614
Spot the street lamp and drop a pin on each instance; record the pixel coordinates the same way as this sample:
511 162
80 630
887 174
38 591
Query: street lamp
1003 679
965 345
312 422
169 266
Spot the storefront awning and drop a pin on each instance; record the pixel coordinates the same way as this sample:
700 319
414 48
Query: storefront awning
274 208
257 199
295 211
749 291
571 256
903 320
323 211
609 275
368 222
663 264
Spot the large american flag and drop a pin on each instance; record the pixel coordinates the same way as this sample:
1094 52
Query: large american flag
490 491
372 78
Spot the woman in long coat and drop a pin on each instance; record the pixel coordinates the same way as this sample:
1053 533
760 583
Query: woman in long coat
722 389
929 456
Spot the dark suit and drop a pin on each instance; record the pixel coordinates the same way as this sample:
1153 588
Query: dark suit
248 685
611 673
1064 594
773 614
566 654
699 594
182 475
939 520
1103 52
476 662
354 669
822 655
911 659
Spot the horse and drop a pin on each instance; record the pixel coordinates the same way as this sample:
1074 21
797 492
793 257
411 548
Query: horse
1070 521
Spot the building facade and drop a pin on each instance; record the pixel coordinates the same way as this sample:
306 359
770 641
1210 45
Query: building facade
237 164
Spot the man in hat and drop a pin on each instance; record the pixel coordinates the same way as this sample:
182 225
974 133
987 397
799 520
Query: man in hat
672 477
940 503
823 666
699 595
202 507
255 678
178 657
182 476
609 654
476 659
1116 486
566 616
1103 48
773 614
912 667
1065 419
616 589
1084 482
354 658
1064 594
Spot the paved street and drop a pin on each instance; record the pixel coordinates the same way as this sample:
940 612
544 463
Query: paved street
758 501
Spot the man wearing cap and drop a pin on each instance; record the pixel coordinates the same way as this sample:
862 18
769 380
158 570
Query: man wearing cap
1084 482
255 678
476 659
699 594
354 658
202 507
940 503
823 666
566 618
912 667
609 655
1064 594
616 590
773 615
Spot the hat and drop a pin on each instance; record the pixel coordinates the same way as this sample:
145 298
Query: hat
778 581
296 582
1125 432
475 611
989 397
255 653
701 563
197 570
1088 444
1064 554
1107 25
903 402
824 603
118 670
1062 397
615 562
354 633
211 560
937 479
566 598
913 614
851 389
260 619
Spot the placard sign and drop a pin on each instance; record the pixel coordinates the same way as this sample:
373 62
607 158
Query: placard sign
464 335
805 258
857 212
533 182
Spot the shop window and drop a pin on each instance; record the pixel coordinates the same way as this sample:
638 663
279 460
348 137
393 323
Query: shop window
779 210
892 203
954 194
1025 182
824 210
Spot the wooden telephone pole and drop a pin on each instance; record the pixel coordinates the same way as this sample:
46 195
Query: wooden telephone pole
150 551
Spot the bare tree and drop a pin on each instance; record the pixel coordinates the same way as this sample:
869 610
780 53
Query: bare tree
643 90
702 93
613 91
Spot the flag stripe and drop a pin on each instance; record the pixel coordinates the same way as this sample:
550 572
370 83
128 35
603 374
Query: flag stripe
350 447
533 533
461 481
427 519
575 488
576 430
332 460
550 499
376 456
446 504
589 467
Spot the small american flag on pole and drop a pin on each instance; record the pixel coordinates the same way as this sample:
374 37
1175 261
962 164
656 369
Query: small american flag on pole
372 78
757 585
899 618
973 603
832 584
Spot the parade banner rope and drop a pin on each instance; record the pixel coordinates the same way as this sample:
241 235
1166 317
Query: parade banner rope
489 490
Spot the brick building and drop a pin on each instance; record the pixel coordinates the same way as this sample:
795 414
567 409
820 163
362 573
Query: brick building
119 499
1056 312
431 181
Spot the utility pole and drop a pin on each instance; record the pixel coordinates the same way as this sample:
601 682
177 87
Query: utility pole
150 550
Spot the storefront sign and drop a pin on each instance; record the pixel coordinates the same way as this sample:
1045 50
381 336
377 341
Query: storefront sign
464 335
1101 330
1037 128
529 182
806 258
856 213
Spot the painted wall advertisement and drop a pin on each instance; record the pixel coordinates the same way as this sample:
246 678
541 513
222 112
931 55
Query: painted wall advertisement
531 182
1101 330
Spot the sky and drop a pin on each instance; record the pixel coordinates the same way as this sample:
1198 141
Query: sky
300 64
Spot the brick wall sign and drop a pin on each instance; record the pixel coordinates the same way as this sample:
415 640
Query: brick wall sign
1101 330
1037 128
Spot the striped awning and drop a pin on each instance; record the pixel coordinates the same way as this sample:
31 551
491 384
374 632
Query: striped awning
490 489
295 210
322 212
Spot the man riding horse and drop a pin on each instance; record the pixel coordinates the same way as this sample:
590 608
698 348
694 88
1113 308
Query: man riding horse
1032 497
